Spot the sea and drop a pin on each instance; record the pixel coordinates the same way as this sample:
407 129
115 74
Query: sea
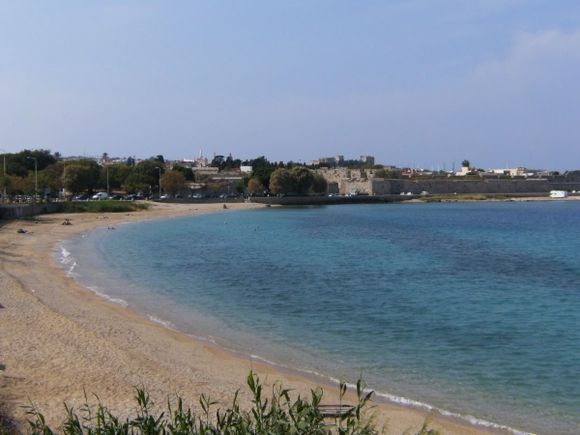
471 309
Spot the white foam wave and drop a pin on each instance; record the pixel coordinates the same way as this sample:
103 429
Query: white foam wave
209 339
416 404
70 271
117 301
65 254
264 360
68 262
404 401
162 322
470 418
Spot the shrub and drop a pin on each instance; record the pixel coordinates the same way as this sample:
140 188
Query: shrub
276 414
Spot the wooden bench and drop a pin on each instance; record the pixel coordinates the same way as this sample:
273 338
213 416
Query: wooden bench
335 411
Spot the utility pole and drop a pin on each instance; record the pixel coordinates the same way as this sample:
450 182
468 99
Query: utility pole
35 175
159 169
63 179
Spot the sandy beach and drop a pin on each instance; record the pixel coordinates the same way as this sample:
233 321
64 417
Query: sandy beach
57 338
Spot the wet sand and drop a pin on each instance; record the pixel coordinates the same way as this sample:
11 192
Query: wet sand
58 339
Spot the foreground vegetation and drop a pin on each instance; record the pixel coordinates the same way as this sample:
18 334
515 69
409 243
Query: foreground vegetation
102 206
278 414
6 425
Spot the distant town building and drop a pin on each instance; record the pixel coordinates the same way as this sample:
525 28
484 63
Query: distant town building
205 170
368 160
520 172
465 170
328 161
338 161
200 161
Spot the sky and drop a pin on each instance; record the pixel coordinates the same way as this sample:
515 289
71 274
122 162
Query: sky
414 83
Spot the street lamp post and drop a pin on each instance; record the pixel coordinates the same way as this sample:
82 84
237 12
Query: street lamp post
107 168
159 169
35 175
63 179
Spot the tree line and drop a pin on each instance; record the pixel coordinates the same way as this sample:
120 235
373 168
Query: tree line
46 174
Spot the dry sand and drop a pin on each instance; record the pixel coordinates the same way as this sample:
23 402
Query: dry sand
57 338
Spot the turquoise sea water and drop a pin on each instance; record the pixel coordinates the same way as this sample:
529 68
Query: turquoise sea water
472 308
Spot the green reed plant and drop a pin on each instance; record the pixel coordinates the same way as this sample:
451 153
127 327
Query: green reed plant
273 413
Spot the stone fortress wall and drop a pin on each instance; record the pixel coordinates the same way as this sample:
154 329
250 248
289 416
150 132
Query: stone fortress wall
363 181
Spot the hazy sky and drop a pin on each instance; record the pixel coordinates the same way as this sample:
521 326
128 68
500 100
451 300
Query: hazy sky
424 83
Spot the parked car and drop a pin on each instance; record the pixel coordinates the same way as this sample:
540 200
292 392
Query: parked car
100 195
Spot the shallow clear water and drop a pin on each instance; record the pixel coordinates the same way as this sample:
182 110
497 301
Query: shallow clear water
473 308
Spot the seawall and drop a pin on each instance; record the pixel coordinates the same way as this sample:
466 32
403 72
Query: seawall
500 186
16 211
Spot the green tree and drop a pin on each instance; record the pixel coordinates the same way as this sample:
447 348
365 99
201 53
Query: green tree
465 163
187 172
5 184
81 176
118 173
231 163
134 183
23 162
145 176
262 169
20 185
319 184
303 179
255 185
173 182
50 179
240 186
282 181
218 161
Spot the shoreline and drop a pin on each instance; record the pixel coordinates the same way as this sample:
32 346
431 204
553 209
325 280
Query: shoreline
45 321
